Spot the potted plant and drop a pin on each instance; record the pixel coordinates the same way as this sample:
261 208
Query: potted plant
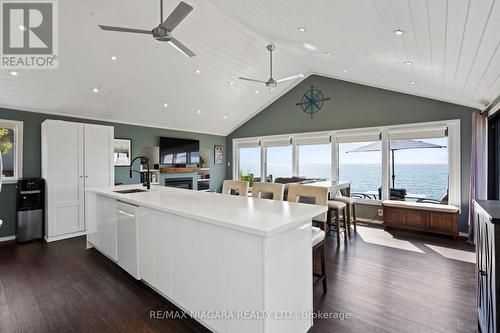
248 178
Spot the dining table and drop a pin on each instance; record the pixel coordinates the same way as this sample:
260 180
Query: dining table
334 186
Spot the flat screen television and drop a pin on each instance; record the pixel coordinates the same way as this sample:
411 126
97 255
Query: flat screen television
179 151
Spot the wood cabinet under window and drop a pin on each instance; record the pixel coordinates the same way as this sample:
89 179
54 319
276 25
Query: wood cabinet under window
487 233
406 215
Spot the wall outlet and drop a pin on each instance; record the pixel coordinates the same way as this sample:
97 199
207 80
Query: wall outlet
380 212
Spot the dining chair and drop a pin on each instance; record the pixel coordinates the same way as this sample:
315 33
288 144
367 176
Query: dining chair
318 196
350 208
268 191
239 186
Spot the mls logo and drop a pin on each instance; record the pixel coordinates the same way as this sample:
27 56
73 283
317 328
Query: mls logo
29 34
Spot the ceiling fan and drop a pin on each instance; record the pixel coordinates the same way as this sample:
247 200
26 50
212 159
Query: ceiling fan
272 82
163 32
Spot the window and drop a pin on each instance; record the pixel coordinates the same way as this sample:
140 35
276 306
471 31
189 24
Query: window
249 162
425 170
278 162
419 167
11 150
361 164
315 161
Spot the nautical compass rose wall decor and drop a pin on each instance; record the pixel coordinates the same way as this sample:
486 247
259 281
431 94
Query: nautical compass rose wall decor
312 101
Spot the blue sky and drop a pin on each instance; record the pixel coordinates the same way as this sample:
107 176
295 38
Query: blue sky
320 154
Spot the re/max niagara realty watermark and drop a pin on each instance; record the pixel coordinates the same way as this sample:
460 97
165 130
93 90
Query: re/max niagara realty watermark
29 34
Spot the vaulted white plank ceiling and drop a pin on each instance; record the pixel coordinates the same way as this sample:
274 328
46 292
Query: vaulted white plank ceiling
452 45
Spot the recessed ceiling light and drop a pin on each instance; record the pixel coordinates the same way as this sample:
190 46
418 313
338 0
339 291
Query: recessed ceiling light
412 82
165 105
327 53
256 91
301 29
231 83
198 71
225 117
345 71
22 27
199 111
408 63
310 47
13 73
95 90
113 58
398 32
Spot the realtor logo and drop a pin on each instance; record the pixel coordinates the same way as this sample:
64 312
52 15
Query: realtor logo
29 34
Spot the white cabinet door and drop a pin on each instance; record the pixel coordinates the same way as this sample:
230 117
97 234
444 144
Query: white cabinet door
63 170
212 272
99 167
184 256
146 246
162 260
106 236
176 261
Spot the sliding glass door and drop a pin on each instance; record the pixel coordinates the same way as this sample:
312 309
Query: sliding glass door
494 157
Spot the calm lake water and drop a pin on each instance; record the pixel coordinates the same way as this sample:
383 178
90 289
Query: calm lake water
429 180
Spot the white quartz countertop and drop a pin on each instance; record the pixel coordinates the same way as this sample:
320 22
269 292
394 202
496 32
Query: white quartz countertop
261 217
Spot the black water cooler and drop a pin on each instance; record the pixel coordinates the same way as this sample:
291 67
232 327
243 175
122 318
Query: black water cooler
30 209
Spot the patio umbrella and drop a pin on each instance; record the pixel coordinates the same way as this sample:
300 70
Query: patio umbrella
396 145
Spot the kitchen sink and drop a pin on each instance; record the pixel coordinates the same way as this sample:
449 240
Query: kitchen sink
134 190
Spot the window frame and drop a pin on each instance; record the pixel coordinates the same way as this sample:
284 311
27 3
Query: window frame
17 126
454 153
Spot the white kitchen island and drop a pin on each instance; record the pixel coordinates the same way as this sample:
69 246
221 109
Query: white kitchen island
236 264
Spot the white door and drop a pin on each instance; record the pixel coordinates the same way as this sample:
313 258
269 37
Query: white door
99 167
64 176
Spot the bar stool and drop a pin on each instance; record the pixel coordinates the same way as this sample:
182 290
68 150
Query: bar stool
268 191
319 195
335 207
239 186
350 209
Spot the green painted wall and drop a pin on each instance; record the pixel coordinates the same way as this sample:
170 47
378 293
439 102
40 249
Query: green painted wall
354 106
141 137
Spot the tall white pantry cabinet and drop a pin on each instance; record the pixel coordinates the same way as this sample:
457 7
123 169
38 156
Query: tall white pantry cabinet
75 156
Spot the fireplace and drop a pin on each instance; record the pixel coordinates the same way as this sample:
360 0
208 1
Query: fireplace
180 182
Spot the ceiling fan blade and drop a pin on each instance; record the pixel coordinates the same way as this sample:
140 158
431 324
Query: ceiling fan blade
119 29
293 77
179 13
181 47
253 80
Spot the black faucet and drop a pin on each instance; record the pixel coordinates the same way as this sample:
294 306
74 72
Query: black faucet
144 160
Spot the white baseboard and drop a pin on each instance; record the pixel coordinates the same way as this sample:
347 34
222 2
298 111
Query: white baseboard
66 236
6 239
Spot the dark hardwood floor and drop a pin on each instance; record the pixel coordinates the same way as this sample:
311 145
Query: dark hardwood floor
386 282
